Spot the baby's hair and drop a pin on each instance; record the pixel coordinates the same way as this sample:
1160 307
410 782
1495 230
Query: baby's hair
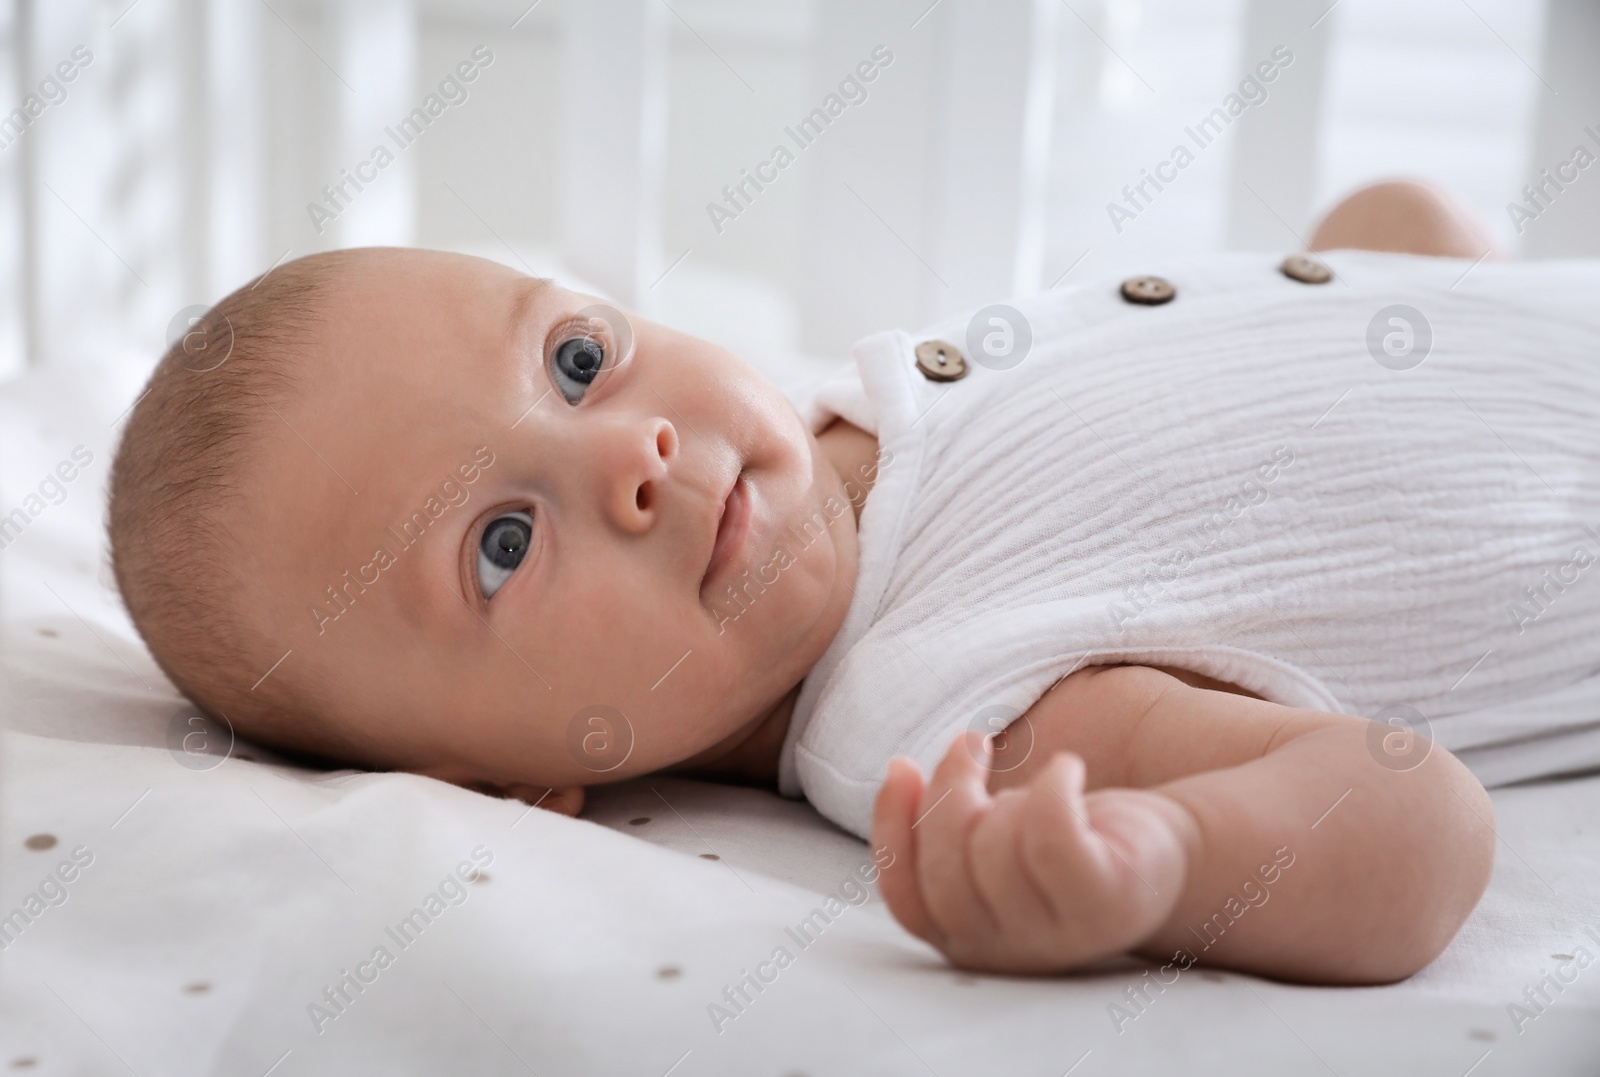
175 488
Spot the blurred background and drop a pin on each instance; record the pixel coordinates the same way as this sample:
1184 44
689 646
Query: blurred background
155 154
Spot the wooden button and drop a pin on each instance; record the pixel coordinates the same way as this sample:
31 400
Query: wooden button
940 361
1148 291
1306 269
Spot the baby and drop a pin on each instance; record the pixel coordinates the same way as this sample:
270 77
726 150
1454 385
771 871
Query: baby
416 511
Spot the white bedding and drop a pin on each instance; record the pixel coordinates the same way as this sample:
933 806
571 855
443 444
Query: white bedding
594 946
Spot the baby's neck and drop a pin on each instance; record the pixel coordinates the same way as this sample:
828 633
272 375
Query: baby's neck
752 759
854 455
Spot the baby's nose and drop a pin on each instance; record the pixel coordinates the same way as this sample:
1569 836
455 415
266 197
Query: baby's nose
639 461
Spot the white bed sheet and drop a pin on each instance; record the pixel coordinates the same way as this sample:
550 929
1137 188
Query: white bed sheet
220 903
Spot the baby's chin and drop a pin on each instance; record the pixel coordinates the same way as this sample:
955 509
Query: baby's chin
821 579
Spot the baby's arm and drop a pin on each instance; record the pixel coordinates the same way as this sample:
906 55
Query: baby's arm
1252 835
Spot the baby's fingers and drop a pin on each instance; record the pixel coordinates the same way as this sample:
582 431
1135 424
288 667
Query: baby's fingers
1113 871
951 806
892 820
1062 850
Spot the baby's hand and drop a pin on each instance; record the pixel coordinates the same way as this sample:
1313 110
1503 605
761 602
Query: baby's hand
1041 878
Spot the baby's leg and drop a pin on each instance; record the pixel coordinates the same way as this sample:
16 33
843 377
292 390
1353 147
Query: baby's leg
1403 216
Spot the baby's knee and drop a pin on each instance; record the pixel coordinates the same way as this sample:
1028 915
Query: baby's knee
1405 216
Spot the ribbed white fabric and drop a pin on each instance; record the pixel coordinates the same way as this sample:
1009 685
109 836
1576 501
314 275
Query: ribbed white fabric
1231 483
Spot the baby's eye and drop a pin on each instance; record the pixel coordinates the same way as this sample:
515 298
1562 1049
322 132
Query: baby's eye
574 365
502 548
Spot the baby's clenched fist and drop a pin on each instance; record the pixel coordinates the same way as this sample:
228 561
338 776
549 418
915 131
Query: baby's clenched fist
1041 878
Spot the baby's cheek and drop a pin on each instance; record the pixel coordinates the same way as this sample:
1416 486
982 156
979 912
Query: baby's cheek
805 577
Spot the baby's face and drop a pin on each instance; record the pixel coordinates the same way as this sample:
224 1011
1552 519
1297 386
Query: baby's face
531 525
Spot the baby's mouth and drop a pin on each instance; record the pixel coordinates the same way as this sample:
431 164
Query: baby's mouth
733 527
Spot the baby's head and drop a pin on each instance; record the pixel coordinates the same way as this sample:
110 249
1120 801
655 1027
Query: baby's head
466 519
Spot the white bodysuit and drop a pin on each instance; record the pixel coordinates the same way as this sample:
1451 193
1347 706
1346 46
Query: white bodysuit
1232 483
